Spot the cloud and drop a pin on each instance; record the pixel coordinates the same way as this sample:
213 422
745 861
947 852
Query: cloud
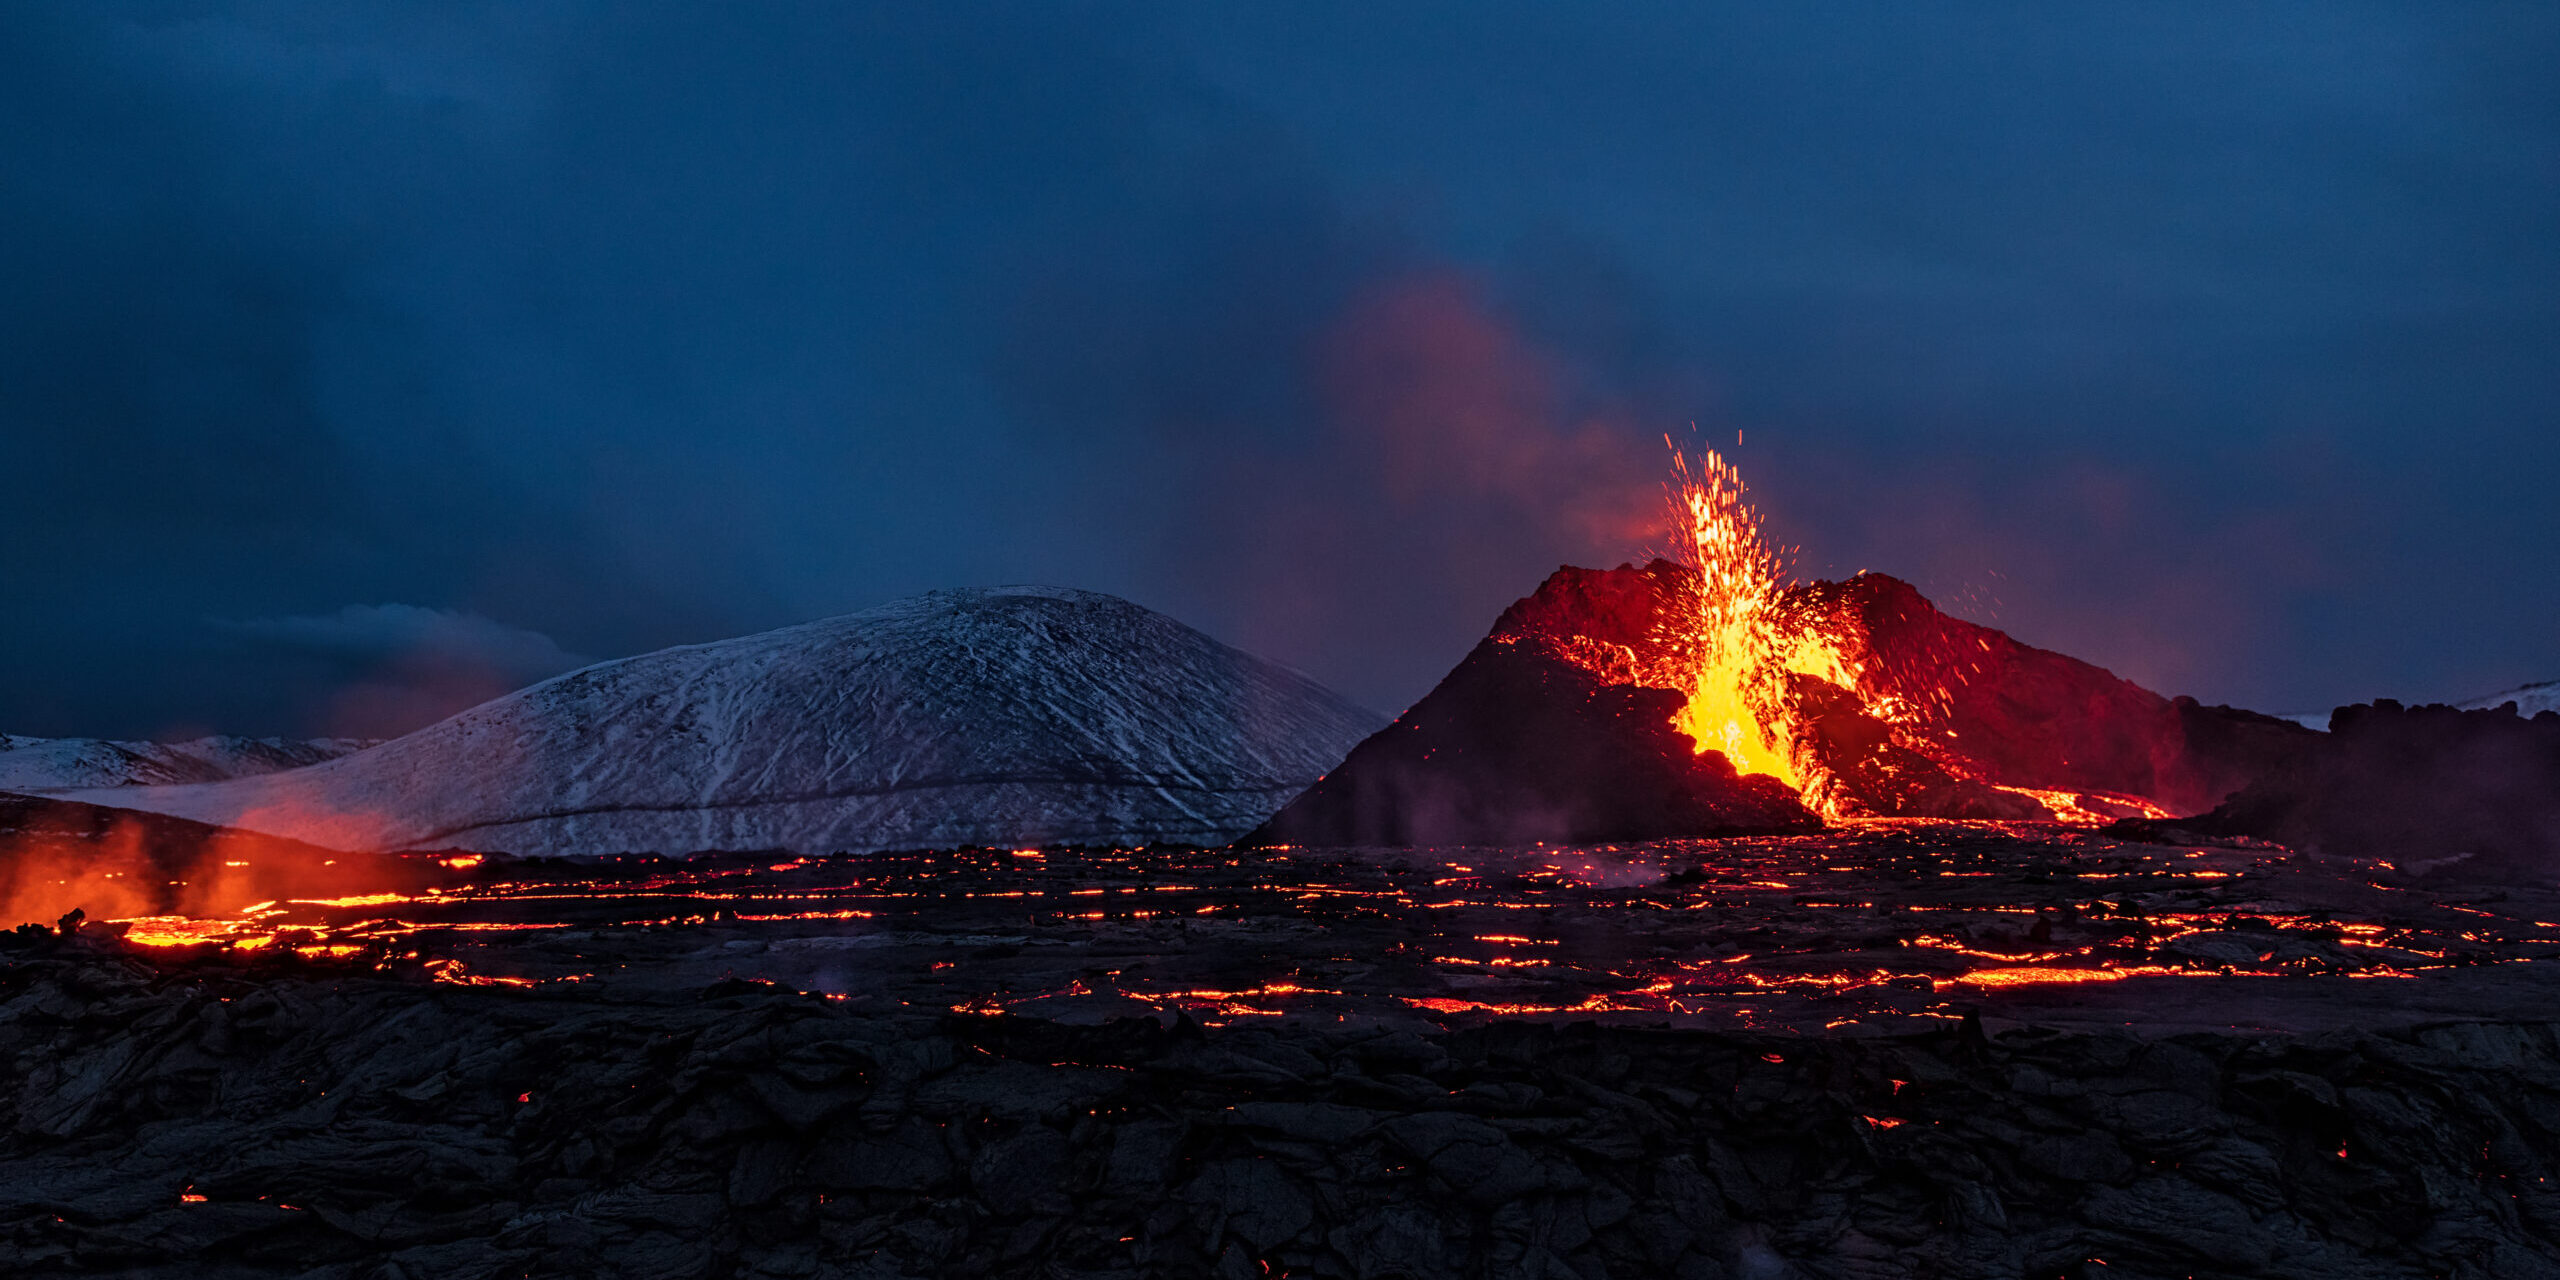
403 666
408 633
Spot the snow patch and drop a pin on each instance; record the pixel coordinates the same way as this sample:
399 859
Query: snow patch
52 764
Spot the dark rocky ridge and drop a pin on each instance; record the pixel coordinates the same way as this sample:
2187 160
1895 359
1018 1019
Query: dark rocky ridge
221 1123
2418 785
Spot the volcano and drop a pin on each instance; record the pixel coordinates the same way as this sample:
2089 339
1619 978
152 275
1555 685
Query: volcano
1002 716
1563 725
1712 695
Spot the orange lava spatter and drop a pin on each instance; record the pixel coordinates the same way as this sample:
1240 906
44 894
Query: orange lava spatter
1733 642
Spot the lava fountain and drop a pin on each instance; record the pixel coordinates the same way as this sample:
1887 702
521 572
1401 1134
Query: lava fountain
1732 641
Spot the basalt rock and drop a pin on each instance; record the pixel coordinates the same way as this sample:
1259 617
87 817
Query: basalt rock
236 1124
2422 786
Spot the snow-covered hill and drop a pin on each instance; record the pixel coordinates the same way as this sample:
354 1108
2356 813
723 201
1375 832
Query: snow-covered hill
1003 716
38 764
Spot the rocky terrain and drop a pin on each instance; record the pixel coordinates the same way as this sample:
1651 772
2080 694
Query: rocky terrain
213 1120
1866 928
1888 1049
1014 715
39 764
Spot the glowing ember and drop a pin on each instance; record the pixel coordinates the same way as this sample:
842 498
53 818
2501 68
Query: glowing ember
1739 643
179 931
355 900
2019 976
2090 807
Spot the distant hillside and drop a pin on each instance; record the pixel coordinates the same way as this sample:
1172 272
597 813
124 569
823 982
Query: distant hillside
40 764
1004 716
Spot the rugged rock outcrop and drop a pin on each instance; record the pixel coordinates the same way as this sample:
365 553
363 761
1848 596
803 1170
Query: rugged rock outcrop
336 1127
2420 786
1014 715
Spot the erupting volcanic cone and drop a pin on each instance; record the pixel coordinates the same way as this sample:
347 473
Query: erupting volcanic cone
1567 724
1856 698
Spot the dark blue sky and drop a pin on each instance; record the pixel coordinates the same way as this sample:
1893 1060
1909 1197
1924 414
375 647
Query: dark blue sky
357 361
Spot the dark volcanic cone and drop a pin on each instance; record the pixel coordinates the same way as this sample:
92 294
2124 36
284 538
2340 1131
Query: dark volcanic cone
1517 746
1556 729
2418 785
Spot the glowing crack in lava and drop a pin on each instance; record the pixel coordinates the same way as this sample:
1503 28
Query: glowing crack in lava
1733 641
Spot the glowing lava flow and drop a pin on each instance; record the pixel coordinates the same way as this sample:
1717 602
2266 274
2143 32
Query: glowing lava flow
1733 643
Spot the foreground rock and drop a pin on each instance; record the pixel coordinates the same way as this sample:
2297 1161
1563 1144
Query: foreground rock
1007 716
218 1124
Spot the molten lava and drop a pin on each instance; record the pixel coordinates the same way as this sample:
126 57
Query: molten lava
1733 642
